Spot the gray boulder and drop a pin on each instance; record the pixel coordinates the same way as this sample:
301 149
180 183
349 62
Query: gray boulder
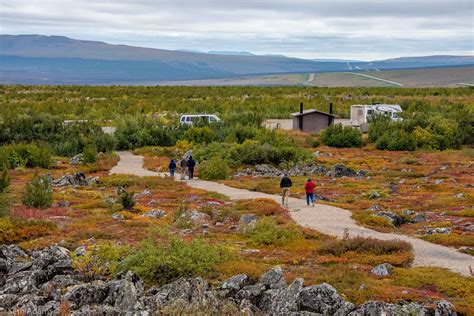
273 279
444 308
86 294
76 160
373 308
30 304
382 270
339 170
155 214
7 301
25 282
251 293
418 218
124 294
247 219
287 300
324 299
233 284
394 218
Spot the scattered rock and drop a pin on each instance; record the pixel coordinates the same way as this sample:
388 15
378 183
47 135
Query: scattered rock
395 219
117 216
247 219
273 279
76 179
459 195
444 308
63 203
152 203
155 214
198 217
408 212
439 181
338 171
375 208
76 160
382 270
438 230
418 218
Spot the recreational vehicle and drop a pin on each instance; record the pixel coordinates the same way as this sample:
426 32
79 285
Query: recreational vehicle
195 118
361 114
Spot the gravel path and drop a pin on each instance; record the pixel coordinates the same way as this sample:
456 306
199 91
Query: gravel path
327 219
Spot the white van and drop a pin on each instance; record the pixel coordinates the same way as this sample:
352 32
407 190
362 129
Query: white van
195 118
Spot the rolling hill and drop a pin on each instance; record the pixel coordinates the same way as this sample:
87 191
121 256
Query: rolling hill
38 59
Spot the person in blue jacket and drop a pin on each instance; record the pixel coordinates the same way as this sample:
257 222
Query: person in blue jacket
172 167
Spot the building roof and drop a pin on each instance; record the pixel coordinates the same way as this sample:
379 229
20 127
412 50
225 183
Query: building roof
310 112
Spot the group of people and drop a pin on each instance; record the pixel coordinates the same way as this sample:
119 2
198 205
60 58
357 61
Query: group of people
186 168
286 184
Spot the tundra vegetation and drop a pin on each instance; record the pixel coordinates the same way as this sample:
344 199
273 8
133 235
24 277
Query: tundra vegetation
419 169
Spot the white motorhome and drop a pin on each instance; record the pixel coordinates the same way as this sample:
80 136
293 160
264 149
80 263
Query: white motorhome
361 114
195 118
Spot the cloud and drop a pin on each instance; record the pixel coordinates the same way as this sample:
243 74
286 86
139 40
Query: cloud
305 28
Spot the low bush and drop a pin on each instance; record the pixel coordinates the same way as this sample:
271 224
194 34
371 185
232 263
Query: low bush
100 260
397 140
214 169
4 205
199 135
4 179
267 232
17 230
365 245
341 136
38 192
160 264
127 200
25 155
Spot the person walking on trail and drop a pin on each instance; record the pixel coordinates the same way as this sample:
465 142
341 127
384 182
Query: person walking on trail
172 167
191 164
184 168
309 188
285 185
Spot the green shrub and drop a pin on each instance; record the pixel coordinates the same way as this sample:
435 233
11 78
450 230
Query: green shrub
214 169
199 135
4 179
99 260
89 153
160 264
267 232
25 155
250 152
341 136
398 140
38 192
127 200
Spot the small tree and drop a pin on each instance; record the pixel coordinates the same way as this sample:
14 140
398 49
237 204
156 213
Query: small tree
38 192
4 179
214 169
127 200
89 153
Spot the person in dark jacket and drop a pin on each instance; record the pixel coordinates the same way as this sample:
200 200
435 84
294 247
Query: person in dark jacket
172 167
191 164
309 188
285 185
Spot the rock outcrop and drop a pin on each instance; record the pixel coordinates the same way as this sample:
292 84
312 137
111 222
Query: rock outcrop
44 282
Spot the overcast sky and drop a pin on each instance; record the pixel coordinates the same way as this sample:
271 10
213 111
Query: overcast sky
366 29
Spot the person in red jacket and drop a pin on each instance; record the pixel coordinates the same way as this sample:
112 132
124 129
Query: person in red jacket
309 188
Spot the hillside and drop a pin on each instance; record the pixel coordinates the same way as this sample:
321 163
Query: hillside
37 59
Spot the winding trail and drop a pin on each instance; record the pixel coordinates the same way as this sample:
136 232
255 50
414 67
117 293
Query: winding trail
327 219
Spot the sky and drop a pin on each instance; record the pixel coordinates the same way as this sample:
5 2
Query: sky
349 29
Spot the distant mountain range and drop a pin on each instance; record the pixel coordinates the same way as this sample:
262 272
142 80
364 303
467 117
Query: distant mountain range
38 59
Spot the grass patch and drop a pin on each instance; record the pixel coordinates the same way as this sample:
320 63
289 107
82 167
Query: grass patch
454 240
365 245
267 232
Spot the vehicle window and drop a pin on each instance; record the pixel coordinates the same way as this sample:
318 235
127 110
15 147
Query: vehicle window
370 112
394 115
212 119
188 119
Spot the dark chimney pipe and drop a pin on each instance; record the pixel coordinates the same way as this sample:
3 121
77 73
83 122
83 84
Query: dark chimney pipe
300 118
330 118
